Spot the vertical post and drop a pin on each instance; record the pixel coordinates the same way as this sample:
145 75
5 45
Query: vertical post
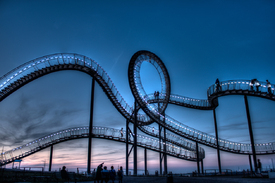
145 161
165 151
91 127
217 141
160 154
127 148
135 140
198 158
250 132
250 163
202 170
51 157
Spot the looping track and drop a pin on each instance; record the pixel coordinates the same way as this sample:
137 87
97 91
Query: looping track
39 67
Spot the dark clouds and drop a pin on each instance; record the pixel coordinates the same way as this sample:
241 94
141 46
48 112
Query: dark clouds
29 120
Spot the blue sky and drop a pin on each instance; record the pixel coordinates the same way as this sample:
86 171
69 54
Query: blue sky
198 41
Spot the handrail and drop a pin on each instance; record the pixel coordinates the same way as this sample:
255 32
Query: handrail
9 83
81 132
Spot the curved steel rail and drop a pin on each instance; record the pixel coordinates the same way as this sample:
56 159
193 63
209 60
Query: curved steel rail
98 132
144 100
34 69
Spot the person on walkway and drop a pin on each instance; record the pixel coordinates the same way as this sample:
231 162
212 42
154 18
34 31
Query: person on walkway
157 95
98 177
112 174
105 175
129 135
120 174
217 83
252 82
257 84
64 173
121 132
268 87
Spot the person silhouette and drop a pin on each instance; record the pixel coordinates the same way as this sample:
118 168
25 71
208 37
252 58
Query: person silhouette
259 167
157 95
120 174
64 173
268 86
217 83
98 177
112 174
252 82
121 132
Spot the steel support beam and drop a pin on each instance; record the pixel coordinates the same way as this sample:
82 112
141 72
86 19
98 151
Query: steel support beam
250 163
202 169
91 127
250 132
165 150
217 141
145 161
127 148
198 157
51 158
160 154
135 140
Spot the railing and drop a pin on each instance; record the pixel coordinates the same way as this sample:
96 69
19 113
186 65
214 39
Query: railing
216 172
189 101
59 59
144 141
204 138
259 86
172 124
175 138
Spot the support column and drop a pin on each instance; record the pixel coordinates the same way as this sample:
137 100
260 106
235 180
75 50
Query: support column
250 163
198 158
202 170
250 132
217 141
160 154
127 147
91 127
165 151
51 157
135 140
145 161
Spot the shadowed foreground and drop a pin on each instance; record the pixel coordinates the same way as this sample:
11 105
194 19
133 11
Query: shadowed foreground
18 176
195 180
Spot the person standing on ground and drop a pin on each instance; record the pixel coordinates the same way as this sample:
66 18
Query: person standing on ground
98 177
64 173
259 167
120 174
112 174
105 175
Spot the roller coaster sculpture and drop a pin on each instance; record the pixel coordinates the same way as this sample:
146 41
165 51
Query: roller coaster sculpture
183 140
